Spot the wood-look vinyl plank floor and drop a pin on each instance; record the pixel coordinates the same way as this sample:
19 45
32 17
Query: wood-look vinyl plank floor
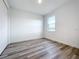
39 49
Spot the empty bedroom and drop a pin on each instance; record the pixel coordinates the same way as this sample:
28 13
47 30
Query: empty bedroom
39 29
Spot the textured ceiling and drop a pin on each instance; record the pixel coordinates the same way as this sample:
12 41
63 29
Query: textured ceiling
33 6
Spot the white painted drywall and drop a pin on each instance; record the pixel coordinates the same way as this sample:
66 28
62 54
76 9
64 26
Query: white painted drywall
3 26
24 25
67 24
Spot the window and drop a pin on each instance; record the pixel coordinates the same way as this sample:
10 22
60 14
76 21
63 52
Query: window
51 23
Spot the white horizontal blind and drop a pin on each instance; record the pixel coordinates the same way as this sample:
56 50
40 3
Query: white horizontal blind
51 23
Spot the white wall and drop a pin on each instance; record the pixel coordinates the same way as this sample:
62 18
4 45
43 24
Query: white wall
24 25
3 26
67 24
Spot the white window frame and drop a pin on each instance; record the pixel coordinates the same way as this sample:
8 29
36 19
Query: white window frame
51 24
